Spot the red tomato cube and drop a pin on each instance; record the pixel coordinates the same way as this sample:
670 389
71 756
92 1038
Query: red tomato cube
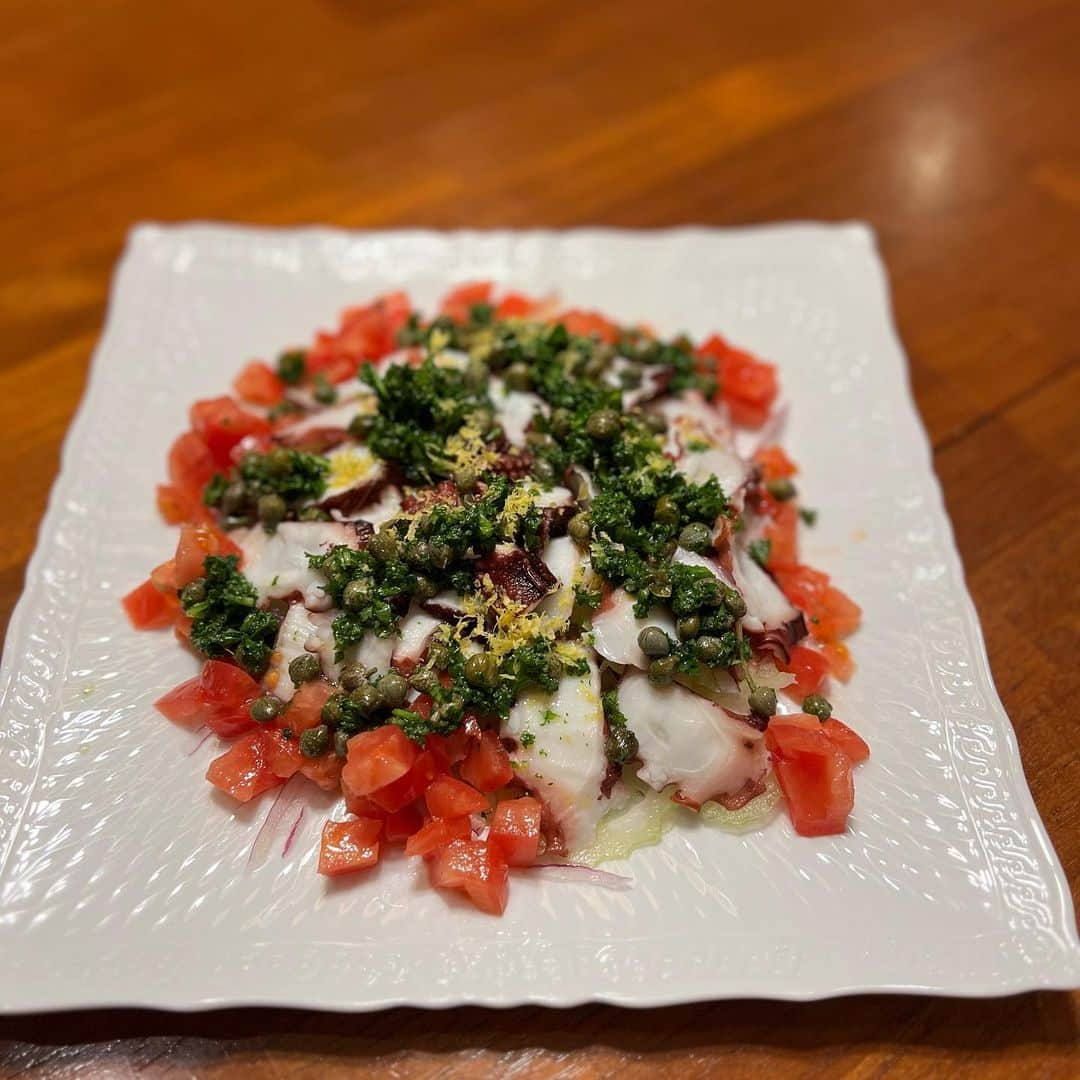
348 846
487 765
515 830
436 834
450 798
148 608
478 869
377 758
243 771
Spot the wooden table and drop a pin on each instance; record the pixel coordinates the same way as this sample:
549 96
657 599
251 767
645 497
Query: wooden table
952 127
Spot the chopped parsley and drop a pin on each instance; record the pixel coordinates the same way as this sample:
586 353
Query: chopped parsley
760 551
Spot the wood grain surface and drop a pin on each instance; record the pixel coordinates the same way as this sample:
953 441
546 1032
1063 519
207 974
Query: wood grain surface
951 126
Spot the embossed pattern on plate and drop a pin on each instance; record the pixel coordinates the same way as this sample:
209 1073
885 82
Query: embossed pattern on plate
125 880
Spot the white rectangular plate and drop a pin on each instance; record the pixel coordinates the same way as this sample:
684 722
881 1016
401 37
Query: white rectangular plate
125 881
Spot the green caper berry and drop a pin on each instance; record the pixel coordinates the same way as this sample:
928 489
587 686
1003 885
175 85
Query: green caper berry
621 745
352 675
733 601
315 741
194 592
659 583
384 545
419 553
234 498
438 655
441 554
594 369
271 509
518 377
264 709
365 699
341 743
482 670
356 595
670 548
476 374
603 424
360 426
631 375
656 423
560 423
291 366
304 668
554 668
580 529
279 461
781 489
425 588
763 701
538 440
333 712
544 471
817 705
313 513
666 511
695 536
689 627
425 681
653 642
465 478
661 670
709 649
393 688
323 392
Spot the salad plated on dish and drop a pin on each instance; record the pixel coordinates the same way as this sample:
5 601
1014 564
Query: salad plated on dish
522 583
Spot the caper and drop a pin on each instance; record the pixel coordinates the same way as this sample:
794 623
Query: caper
425 588
653 642
689 627
666 511
361 425
733 601
384 545
271 509
264 709
594 369
482 670
291 366
538 440
518 377
315 741
194 592
695 536
580 529
621 744
656 423
352 675
323 392
817 705
763 701
234 498
341 743
603 424
425 681
659 583
313 513
476 374
631 375
781 489
438 655
356 595
393 688
440 554
709 649
419 553
661 670
544 471
279 461
554 668
304 668
465 478
560 423
365 699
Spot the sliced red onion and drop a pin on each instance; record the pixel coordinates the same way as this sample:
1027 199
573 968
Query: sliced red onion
280 819
583 875
292 833
198 745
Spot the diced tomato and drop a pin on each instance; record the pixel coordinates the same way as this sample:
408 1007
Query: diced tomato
436 834
840 663
477 868
243 770
361 805
515 830
589 324
853 745
148 608
514 305
259 384
746 384
458 302
177 506
349 845
367 332
182 704
285 760
782 532
163 577
221 423
487 766
402 824
450 798
377 758
814 775
831 613
183 628
195 543
810 669
191 465
408 788
226 693
774 462
305 708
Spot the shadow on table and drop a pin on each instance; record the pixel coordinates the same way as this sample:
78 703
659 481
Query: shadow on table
863 1024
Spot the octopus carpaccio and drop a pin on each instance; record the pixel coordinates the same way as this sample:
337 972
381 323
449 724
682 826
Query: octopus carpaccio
497 575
